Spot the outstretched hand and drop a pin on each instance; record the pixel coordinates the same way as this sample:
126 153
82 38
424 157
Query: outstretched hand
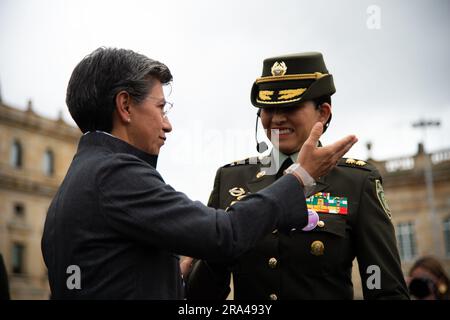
319 161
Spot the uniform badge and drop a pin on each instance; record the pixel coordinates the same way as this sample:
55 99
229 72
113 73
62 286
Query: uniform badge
279 69
382 199
325 203
237 191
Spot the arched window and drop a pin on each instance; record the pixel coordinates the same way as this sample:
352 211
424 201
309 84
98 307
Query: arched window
49 162
16 154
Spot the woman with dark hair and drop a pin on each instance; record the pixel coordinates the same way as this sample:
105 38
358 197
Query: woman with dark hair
428 280
115 229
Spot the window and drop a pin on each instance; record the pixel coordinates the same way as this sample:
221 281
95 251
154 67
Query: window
406 240
16 154
447 236
48 164
19 210
18 258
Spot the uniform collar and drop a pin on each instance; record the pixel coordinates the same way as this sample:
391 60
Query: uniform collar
116 145
279 157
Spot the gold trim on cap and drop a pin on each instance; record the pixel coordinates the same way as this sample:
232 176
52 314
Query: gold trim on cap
290 93
265 94
304 76
277 102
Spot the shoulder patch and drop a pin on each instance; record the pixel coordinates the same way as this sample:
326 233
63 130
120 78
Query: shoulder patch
251 160
355 163
380 194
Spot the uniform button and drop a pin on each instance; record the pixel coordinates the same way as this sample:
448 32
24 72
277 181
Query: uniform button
275 231
321 224
273 263
273 296
317 248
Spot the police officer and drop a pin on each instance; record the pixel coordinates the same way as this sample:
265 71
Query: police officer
354 219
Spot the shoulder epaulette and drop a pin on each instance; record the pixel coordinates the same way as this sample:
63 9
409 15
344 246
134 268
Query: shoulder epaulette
355 163
251 160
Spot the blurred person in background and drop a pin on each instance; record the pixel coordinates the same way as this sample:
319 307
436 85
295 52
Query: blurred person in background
428 280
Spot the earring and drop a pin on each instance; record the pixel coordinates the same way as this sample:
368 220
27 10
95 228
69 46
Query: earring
442 288
128 120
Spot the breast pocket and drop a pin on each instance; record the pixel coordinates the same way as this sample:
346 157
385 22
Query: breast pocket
322 250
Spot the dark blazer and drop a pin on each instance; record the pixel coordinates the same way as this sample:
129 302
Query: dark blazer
4 287
315 264
116 219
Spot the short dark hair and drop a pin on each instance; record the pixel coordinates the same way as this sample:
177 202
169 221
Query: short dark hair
101 75
318 102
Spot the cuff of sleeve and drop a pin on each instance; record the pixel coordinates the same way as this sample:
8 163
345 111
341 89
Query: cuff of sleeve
304 177
288 193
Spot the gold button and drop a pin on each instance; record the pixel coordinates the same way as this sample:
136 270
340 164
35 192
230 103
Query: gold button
260 174
273 296
275 231
321 224
273 263
317 248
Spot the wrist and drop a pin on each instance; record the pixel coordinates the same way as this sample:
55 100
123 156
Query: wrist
308 183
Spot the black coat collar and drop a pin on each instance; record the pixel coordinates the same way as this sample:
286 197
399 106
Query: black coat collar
116 145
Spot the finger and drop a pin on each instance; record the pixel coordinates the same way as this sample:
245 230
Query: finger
342 152
341 144
315 133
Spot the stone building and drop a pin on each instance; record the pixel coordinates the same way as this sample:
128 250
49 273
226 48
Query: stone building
35 153
417 189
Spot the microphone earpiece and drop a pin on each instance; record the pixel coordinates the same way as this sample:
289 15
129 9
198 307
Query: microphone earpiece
260 146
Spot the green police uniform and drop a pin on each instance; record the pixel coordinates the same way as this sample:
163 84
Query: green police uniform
315 264
355 220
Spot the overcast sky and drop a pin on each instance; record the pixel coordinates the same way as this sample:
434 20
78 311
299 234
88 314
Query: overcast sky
390 64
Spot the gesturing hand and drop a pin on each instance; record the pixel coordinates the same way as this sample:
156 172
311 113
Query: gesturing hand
319 161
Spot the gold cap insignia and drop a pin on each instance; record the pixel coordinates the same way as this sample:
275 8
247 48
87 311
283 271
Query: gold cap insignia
360 163
237 191
350 161
279 69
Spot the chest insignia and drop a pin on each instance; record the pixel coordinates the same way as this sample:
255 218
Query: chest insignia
325 203
237 191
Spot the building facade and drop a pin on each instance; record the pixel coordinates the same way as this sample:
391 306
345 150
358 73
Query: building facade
417 189
35 154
